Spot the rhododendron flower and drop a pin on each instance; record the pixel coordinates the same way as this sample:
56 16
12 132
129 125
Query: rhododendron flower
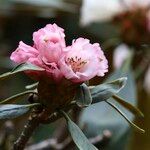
50 42
83 61
79 62
48 47
24 53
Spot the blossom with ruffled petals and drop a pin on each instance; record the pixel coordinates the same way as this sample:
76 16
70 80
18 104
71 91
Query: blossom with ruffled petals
24 53
79 62
83 61
50 42
46 51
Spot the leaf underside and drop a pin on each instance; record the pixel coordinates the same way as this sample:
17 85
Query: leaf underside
77 135
10 111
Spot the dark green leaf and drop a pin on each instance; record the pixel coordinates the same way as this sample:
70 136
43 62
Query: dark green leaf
10 111
104 91
16 97
83 96
123 115
20 68
128 106
77 135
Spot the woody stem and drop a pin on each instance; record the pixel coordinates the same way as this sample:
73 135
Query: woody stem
29 128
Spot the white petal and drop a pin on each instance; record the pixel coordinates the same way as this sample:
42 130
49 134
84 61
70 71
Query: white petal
120 55
99 10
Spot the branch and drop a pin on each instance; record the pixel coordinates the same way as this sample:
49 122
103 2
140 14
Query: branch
49 144
55 116
37 116
32 124
7 135
61 131
68 143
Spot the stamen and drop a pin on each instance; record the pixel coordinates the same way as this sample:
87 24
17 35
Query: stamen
76 63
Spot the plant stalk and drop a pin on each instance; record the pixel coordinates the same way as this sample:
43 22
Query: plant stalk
29 128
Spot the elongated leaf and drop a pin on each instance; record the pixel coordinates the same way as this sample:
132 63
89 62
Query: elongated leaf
77 135
32 86
25 67
100 116
104 91
128 106
123 115
16 97
20 68
83 96
10 111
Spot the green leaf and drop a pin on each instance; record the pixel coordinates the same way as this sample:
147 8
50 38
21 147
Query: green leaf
32 86
108 118
104 91
128 106
83 96
10 111
17 96
77 135
20 68
25 67
123 115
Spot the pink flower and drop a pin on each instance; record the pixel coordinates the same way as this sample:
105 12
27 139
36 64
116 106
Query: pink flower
24 53
49 41
46 51
83 61
79 62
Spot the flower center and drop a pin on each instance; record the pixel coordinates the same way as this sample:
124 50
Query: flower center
76 63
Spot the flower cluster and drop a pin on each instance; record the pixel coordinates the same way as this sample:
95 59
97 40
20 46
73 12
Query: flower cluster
78 63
